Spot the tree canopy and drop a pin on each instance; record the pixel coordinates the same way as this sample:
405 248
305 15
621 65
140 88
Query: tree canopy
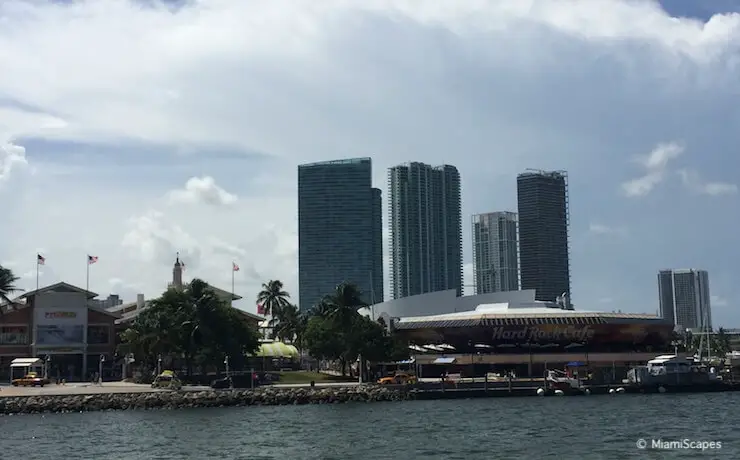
193 323
335 330
273 297
7 287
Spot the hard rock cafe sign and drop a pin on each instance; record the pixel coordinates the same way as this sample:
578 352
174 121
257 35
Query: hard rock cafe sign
549 333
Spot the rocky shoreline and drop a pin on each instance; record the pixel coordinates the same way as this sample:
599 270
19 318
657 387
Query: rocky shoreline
264 396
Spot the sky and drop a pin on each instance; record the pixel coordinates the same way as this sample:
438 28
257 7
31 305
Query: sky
133 130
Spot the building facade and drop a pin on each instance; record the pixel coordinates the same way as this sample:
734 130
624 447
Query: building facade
426 229
57 323
339 230
111 301
495 252
684 298
544 265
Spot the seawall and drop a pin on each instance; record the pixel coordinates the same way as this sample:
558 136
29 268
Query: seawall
264 396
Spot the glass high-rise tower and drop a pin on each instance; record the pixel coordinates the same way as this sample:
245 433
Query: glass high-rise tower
543 233
426 229
339 230
495 254
684 298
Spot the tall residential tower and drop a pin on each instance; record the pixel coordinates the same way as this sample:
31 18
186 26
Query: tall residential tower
426 229
339 230
543 233
495 255
684 298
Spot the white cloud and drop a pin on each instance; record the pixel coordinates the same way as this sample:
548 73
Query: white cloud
717 301
601 229
655 164
153 240
658 159
243 91
692 181
12 157
202 190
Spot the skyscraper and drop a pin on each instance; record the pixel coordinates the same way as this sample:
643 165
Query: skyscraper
339 230
684 298
495 255
543 233
426 229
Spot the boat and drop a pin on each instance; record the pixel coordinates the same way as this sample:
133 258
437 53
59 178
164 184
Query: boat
674 373
568 380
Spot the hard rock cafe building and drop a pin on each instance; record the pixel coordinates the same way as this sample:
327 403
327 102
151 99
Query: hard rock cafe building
532 337
57 324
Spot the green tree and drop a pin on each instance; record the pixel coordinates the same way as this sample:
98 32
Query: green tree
369 341
720 344
7 287
273 297
287 323
343 304
194 323
335 330
322 340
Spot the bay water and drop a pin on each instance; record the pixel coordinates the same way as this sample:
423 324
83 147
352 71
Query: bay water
589 427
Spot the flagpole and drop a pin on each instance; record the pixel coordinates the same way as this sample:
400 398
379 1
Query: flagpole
37 272
87 277
232 283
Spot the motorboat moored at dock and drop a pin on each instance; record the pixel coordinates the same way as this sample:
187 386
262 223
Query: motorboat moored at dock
675 373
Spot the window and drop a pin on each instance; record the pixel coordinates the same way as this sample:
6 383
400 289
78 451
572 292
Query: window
14 335
98 335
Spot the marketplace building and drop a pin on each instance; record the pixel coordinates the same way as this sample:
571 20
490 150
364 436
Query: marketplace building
56 323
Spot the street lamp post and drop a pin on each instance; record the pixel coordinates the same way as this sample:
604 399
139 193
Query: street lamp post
100 370
159 364
226 363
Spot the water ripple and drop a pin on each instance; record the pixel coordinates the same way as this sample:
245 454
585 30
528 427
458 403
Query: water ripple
598 427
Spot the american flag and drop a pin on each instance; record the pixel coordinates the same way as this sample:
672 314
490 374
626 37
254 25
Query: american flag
234 266
40 260
91 259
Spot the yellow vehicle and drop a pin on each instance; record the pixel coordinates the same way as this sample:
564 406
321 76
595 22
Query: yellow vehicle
167 379
32 379
398 379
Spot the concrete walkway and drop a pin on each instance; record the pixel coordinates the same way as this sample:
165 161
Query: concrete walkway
76 389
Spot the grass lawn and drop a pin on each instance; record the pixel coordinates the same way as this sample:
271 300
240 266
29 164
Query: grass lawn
296 377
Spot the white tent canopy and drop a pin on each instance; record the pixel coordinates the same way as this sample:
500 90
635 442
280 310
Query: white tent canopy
26 362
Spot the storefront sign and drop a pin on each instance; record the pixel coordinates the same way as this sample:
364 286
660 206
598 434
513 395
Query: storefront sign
546 333
60 314
62 325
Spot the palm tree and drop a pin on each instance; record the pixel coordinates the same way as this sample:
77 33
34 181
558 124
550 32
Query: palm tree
272 297
344 302
287 324
7 287
322 309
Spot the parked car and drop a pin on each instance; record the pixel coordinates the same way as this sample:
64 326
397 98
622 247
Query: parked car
32 379
167 379
398 379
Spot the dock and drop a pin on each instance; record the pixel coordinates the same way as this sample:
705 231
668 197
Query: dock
537 387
